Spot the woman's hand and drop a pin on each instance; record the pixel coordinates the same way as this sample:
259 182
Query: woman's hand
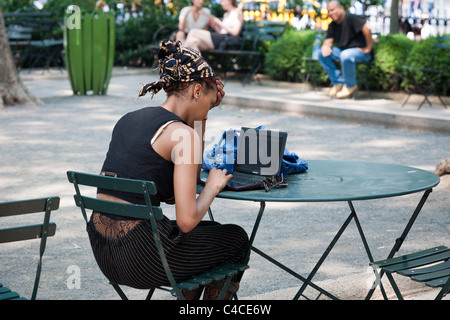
213 24
217 179
220 92
217 22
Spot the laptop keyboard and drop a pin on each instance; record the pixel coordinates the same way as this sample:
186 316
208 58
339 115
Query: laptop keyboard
245 179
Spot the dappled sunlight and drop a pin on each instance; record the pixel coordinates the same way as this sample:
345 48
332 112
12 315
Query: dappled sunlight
38 145
383 143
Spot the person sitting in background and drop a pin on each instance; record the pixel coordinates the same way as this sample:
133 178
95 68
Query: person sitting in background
349 40
226 30
192 17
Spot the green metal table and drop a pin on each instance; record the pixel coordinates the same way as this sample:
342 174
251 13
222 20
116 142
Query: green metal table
331 180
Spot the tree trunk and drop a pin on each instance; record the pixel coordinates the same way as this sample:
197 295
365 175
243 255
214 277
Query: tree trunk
394 17
12 90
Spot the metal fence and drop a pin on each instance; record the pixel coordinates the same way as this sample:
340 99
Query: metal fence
381 24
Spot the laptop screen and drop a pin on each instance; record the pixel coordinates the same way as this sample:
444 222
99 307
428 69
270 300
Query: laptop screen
260 151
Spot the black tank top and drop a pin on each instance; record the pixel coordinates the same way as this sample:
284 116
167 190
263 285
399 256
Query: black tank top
132 156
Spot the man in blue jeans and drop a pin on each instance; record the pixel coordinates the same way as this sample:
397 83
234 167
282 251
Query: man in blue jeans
348 40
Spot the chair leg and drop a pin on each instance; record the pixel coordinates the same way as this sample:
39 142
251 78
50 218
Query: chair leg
406 100
444 291
394 286
442 101
150 294
421 104
119 291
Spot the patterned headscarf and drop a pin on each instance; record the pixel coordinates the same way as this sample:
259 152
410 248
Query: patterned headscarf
177 64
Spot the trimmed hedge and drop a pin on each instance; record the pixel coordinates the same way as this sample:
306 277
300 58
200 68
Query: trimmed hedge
284 57
420 56
390 53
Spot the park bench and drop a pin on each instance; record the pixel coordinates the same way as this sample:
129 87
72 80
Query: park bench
162 33
28 232
249 56
82 181
31 40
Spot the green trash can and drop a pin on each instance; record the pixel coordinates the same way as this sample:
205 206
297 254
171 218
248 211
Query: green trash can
89 52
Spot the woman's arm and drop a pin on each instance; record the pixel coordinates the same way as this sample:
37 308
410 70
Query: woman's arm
183 145
189 208
182 18
202 142
234 22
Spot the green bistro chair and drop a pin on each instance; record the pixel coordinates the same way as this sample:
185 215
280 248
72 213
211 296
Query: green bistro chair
149 212
28 232
431 266
426 80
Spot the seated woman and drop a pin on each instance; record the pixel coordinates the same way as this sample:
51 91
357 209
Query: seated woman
192 17
145 145
227 29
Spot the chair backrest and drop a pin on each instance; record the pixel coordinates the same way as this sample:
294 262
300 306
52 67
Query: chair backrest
147 211
256 33
39 24
145 188
438 46
28 232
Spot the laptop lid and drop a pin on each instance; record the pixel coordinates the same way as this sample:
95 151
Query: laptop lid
260 151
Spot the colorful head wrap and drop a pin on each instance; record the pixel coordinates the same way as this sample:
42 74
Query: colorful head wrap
177 64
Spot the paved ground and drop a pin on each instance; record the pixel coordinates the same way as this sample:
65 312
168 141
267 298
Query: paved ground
39 144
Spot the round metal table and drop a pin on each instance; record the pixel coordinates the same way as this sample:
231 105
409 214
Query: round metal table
334 180
331 180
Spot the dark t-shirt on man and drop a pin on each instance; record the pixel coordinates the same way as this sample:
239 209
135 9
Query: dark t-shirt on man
347 34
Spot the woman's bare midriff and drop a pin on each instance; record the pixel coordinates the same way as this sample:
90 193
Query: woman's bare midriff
109 227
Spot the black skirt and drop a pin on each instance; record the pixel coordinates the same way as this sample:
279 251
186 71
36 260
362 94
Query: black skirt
225 41
133 259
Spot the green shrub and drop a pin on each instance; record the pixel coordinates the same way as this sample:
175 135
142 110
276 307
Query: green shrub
284 58
391 51
390 54
134 35
420 57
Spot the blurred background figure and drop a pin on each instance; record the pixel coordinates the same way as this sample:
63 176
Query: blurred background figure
226 31
192 17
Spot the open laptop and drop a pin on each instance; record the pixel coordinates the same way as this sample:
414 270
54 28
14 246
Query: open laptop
259 155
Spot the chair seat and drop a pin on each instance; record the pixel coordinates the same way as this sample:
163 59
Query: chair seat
7 294
215 274
438 282
420 271
405 258
431 266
